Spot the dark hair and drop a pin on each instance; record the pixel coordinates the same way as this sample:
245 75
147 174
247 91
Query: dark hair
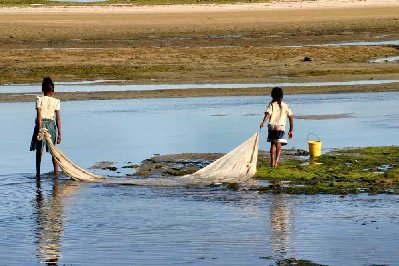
47 85
277 95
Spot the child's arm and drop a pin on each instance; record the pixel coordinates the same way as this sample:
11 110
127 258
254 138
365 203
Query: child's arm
58 121
39 117
265 118
291 132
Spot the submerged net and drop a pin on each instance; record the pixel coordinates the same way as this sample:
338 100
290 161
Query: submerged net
67 166
239 165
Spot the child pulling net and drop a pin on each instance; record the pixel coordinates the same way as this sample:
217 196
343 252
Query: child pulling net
67 166
239 165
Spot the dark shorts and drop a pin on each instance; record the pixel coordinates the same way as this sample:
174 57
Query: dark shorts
39 144
277 136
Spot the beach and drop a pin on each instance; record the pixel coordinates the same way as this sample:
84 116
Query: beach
152 92
174 44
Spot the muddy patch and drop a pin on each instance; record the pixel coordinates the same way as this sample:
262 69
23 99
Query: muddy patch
175 164
187 163
104 165
296 262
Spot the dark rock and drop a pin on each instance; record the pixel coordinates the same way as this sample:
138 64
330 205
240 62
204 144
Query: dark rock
307 59
110 168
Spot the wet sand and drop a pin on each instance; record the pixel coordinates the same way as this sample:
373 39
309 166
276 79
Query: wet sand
205 43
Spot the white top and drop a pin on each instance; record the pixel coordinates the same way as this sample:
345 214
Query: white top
48 105
278 116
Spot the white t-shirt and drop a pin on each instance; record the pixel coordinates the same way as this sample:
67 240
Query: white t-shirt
278 116
48 105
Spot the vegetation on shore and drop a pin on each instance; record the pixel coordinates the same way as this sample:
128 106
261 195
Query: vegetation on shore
197 64
344 171
196 47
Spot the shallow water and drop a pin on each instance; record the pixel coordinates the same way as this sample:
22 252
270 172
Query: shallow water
132 130
359 43
370 43
98 224
91 224
385 59
101 85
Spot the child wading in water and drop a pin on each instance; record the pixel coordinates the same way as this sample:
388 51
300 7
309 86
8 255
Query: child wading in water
277 111
46 107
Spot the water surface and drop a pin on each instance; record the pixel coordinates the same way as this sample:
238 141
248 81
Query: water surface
354 43
95 224
385 59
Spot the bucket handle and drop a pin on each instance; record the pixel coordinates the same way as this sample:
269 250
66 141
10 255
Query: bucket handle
314 135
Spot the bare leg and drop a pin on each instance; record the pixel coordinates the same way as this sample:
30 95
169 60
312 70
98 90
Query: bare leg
38 162
278 154
272 153
55 166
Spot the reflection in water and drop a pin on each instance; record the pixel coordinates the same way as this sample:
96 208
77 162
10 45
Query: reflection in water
282 221
49 224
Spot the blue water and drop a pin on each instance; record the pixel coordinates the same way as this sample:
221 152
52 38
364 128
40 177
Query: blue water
95 224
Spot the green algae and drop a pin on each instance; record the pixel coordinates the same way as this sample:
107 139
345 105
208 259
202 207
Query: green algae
344 171
370 170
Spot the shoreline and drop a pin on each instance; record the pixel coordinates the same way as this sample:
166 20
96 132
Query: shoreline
189 93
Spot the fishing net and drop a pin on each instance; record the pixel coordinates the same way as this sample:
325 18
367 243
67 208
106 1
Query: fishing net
239 165
67 166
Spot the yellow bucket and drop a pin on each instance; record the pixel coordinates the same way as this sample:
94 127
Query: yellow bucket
314 146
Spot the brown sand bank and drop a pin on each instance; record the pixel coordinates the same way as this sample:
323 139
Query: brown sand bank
190 45
199 65
180 93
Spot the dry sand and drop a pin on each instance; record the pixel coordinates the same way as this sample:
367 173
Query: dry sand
273 5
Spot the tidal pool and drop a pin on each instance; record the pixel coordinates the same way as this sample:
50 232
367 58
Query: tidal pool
385 59
356 43
96 224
